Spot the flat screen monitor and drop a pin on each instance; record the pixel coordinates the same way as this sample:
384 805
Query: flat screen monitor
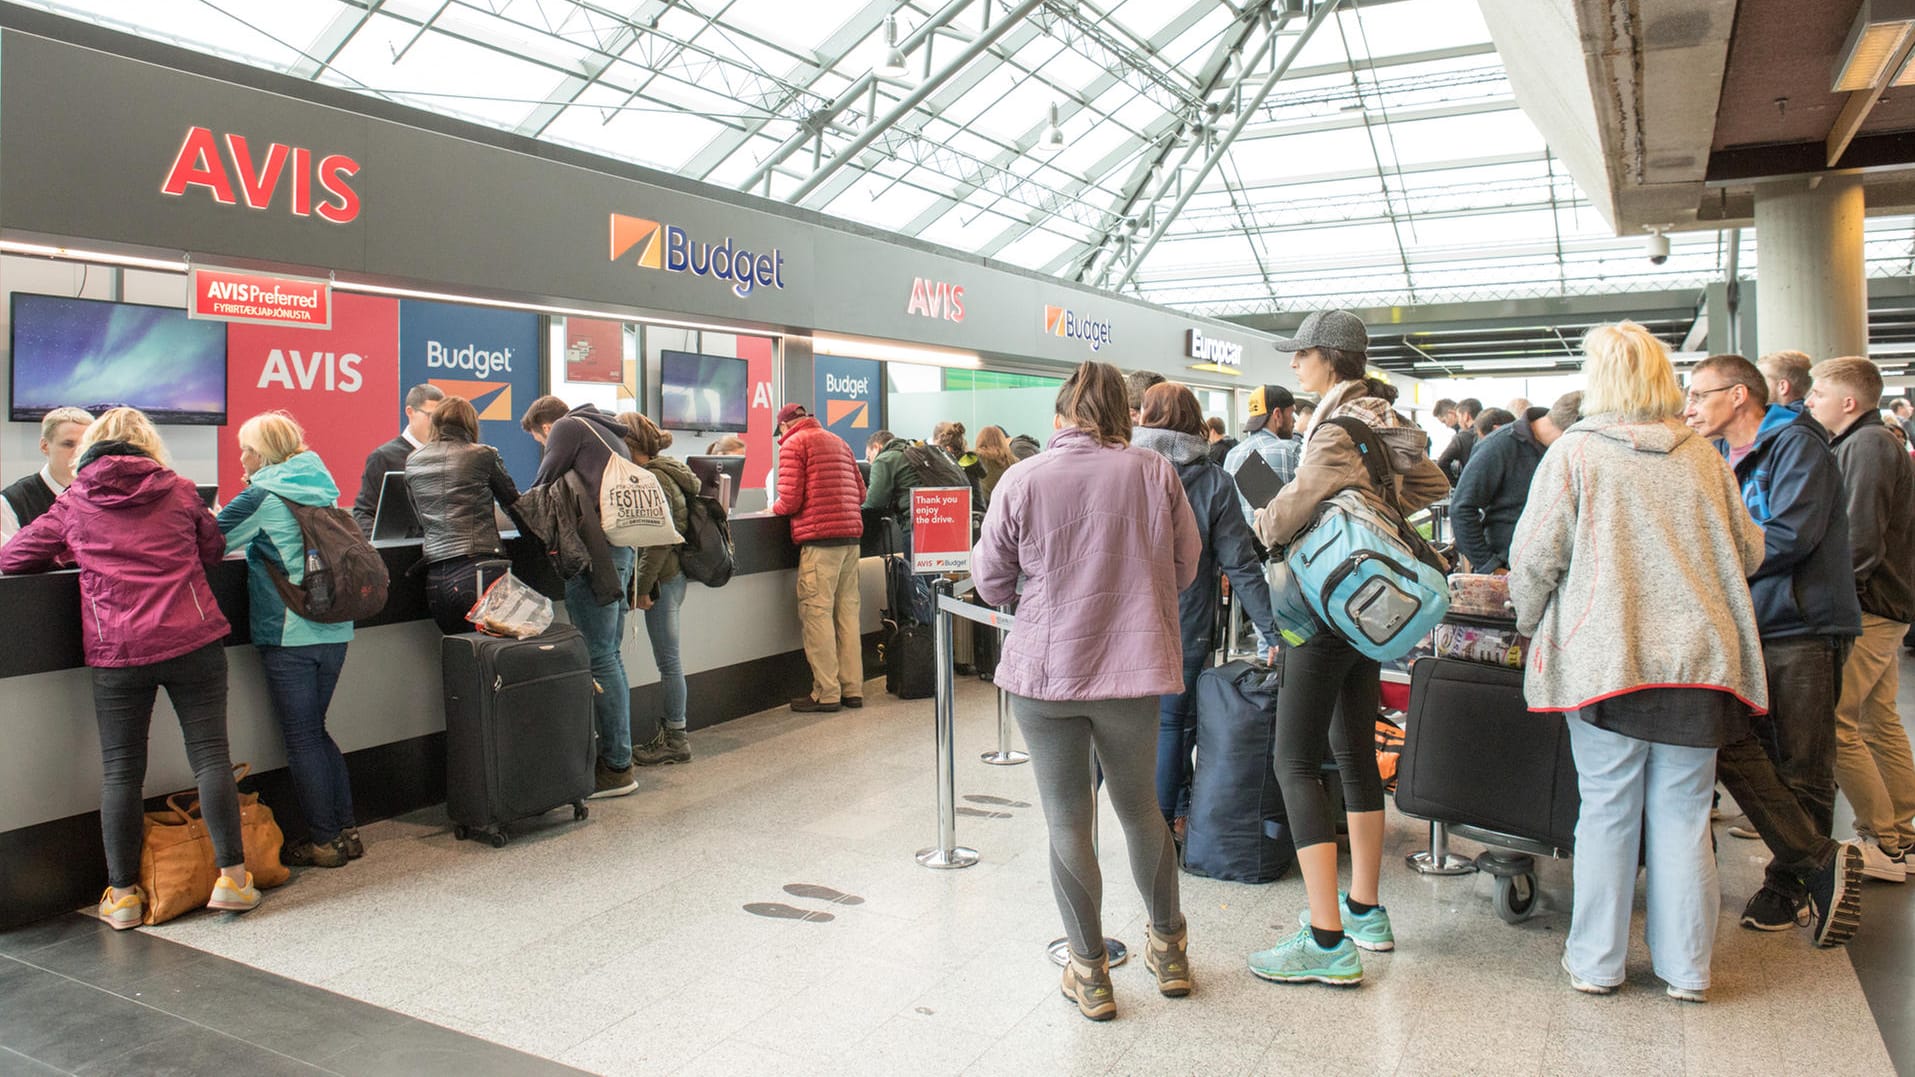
704 392
208 493
393 520
92 354
709 468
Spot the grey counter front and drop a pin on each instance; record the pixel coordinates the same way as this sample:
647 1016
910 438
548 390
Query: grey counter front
739 645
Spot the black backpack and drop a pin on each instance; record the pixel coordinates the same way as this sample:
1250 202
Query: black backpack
707 556
934 468
345 578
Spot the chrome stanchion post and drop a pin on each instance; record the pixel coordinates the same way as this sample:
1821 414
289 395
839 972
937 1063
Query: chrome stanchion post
1437 859
1005 755
947 853
1060 949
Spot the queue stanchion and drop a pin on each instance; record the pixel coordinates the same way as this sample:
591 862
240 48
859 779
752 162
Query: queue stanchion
1437 859
1060 949
947 853
1004 755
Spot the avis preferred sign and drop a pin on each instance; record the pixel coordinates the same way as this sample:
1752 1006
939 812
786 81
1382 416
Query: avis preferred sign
940 529
231 295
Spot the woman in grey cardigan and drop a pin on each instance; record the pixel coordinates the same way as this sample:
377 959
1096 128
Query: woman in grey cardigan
1629 569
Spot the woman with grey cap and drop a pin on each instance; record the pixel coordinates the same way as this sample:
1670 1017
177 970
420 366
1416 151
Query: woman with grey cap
1330 689
1268 434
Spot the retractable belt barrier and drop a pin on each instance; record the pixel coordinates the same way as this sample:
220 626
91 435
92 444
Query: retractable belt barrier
947 853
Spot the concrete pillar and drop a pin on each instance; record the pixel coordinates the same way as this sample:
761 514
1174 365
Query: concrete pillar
1809 265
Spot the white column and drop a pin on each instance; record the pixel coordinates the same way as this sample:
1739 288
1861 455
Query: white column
1812 294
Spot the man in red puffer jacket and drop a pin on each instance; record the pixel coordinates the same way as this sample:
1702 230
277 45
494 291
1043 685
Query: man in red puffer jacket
820 489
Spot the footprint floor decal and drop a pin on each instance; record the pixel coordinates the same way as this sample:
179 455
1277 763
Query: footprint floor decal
1002 802
778 910
815 892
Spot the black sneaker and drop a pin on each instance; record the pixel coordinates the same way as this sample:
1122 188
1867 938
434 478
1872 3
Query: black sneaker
810 705
1835 898
1769 910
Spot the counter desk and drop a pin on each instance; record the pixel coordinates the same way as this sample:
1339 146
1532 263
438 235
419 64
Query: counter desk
739 645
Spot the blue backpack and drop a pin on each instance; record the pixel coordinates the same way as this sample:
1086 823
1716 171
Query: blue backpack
1362 570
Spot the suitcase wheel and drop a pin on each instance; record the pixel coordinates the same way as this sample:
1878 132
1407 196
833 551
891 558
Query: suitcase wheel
460 832
1515 899
578 810
497 838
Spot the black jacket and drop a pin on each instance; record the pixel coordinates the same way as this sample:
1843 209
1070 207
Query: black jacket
453 485
582 441
1456 454
1490 495
1880 481
388 457
564 516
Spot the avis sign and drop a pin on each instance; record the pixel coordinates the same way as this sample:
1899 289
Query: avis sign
940 529
231 169
235 296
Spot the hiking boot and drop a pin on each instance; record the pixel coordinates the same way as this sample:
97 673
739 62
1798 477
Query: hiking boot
1088 984
612 783
1298 959
1877 864
1835 898
307 854
1168 957
129 911
233 897
354 847
1370 930
669 746
1771 910
810 705
1585 986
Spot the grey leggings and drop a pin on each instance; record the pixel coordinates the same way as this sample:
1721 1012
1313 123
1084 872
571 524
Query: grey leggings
1060 736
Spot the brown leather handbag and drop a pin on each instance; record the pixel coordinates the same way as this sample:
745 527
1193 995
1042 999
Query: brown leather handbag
177 864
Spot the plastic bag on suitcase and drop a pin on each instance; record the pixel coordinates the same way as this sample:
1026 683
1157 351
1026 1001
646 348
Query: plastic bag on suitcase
511 608
1237 829
1479 643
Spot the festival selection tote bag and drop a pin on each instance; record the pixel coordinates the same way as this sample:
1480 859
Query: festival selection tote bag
632 508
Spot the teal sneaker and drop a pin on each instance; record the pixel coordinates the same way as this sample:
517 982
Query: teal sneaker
1371 931
1298 959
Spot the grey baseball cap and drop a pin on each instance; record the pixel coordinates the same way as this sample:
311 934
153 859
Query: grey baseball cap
1337 329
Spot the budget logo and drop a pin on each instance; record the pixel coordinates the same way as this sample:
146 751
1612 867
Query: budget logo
1064 322
672 249
859 411
492 399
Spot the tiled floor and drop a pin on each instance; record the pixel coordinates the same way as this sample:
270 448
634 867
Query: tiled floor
620 944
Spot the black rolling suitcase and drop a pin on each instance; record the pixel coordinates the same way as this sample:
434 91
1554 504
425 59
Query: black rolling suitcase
1237 829
519 729
1474 755
907 647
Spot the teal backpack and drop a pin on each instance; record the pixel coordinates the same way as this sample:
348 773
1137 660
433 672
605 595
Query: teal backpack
1362 570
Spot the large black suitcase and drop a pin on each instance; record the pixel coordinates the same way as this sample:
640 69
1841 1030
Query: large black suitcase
1474 755
519 729
1237 829
907 647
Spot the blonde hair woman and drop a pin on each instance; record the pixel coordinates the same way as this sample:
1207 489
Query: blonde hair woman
302 658
1629 570
143 543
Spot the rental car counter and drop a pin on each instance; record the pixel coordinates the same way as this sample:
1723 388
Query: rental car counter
740 646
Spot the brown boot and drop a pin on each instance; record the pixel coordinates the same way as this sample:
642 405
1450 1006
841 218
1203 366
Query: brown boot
1088 985
1167 956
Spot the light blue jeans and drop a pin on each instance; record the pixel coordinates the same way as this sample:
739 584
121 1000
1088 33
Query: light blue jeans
661 624
1622 778
603 628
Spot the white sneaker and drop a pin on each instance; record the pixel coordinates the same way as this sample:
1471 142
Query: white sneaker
1877 864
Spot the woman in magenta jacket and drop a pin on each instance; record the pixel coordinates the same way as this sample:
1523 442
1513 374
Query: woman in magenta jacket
143 542
1098 539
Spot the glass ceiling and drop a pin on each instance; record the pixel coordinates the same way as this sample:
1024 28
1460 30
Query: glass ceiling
1389 164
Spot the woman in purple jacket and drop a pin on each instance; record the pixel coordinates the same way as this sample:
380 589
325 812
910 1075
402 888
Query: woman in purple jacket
1081 533
143 541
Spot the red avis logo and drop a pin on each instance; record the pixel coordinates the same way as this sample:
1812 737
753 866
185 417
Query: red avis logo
199 163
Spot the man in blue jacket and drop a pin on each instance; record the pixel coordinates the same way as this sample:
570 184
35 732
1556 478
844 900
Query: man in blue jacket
1805 604
1268 434
1489 498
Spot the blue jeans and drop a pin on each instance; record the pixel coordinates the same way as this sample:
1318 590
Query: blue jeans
1177 740
1621 778
300 681
661 624
603 628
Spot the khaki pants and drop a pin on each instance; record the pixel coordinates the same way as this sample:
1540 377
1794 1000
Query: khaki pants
1872 761
828 615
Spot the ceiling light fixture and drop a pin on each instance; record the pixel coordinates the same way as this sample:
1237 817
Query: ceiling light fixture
1052 140
1881 29
894 65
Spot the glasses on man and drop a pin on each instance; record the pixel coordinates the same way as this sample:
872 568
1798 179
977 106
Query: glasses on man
1695 397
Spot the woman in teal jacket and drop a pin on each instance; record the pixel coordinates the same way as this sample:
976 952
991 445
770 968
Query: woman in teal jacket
302 658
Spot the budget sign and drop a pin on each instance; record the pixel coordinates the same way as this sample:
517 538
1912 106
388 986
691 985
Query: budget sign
941 529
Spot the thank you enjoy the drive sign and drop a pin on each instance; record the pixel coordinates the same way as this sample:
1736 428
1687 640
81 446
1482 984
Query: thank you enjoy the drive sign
234 295
490 357
940 529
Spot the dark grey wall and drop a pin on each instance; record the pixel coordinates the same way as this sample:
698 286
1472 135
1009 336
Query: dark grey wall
87 138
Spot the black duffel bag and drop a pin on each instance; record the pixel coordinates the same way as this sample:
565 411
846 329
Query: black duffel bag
1237 829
